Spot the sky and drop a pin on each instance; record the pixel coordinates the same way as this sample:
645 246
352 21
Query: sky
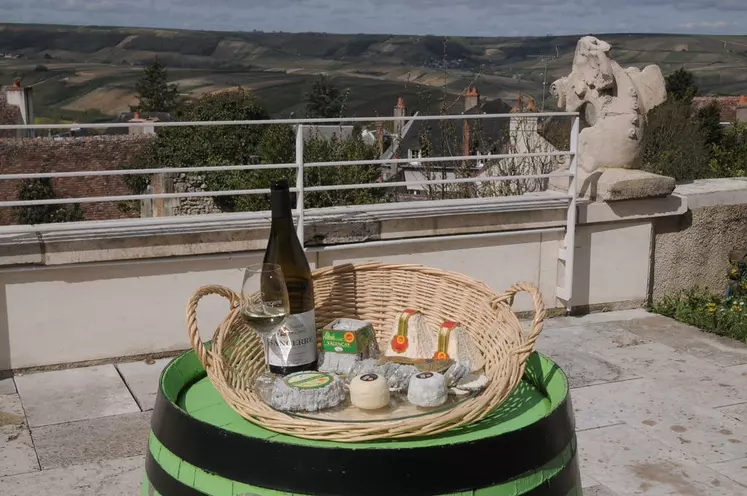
438 17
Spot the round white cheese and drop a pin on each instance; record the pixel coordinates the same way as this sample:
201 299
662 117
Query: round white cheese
369 391
427 389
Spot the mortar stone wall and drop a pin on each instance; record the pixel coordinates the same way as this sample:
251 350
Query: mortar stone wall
185 182
31 155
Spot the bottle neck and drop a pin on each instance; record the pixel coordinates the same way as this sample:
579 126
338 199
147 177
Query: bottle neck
281 206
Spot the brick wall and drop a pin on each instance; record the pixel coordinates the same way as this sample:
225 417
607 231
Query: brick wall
67 155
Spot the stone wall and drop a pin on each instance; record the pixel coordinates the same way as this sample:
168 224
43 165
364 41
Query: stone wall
67 155
185 182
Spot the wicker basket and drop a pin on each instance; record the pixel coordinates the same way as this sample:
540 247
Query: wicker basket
377 292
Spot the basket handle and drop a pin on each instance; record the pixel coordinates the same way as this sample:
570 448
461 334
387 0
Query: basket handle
539 312
194 333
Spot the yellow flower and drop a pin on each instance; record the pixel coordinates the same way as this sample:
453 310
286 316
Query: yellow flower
733 271
744 285
711 307
735 307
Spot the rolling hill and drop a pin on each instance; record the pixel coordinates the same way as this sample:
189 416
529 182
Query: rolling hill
88 73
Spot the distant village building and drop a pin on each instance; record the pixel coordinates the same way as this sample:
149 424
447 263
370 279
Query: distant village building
733 108
458 137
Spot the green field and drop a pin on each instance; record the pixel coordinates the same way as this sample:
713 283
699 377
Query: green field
89 73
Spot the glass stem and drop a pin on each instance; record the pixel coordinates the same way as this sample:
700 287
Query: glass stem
266 344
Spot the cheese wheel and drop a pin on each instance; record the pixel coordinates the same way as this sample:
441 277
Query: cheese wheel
369 392
427 389
307 391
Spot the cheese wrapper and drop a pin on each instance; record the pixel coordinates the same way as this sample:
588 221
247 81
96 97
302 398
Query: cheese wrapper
410 337
455 343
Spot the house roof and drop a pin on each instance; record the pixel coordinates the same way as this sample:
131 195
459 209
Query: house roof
494 129
728 105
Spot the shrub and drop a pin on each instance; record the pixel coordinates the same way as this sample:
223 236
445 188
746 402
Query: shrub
722 315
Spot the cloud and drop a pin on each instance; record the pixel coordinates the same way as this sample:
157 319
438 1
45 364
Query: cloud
443 17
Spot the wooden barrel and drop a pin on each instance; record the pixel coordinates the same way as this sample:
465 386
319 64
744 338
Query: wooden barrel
199 446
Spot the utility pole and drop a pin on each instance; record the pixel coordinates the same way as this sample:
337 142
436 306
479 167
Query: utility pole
544 59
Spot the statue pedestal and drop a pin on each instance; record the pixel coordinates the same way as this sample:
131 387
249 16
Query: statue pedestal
618 184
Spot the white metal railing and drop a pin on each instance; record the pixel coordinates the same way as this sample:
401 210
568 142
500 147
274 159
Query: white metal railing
299 188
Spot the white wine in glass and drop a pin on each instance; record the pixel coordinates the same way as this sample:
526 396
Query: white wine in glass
264 301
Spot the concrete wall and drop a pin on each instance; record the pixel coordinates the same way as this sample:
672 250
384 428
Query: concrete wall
693 249
106 293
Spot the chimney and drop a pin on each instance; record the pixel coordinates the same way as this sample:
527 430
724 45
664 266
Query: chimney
471 99
399 111
23 99
742 109
141 130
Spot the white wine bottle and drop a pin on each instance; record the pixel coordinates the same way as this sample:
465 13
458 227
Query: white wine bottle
293 349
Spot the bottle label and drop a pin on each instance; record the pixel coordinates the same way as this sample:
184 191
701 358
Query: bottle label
295 343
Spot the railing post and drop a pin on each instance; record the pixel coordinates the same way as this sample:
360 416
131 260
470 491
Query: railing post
570 233
299 182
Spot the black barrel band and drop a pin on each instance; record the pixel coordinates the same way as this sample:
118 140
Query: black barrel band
560 484
321 470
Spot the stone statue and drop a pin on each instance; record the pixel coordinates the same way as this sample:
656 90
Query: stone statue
613 103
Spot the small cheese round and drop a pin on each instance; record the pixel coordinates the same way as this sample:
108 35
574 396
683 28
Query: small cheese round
369 392
427 389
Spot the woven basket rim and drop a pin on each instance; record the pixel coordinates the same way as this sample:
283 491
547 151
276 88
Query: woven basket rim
505 363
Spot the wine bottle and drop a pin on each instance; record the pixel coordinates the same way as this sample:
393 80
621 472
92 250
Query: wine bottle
293 349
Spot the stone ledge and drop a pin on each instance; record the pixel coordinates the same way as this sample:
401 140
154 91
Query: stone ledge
611 185
236 233
711 192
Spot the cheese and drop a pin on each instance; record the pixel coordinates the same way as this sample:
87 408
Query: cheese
455 342
410 336
369 392
427 389
307 391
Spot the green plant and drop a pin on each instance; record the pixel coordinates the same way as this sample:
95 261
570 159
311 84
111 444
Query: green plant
722 315
41 189
729 157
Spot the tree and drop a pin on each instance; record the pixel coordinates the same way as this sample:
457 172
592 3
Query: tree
153 91
729 157
709 118
681 85
275 144
673 142
325 99
41 189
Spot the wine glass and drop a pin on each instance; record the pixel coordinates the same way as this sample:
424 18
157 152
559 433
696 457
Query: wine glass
264 301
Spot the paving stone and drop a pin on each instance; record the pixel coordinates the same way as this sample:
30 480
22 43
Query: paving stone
121 477
74 394
17 453
585 369
7 386
599 317
703 382
736 470
738 369
88 441
142 380
598 491
738 412
627 461
705 434
690 340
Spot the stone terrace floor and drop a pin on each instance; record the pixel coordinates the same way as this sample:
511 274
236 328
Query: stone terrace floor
661 409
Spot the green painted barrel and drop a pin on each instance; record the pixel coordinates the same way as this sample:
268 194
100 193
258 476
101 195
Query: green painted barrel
199 446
